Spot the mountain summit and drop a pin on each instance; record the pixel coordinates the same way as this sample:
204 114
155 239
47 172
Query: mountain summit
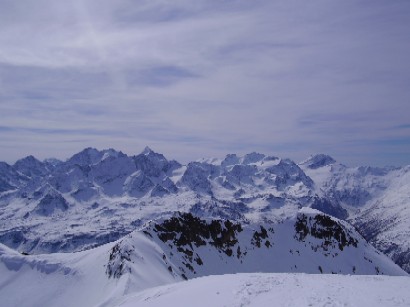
317 161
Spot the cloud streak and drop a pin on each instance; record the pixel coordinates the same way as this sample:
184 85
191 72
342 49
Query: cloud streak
204 78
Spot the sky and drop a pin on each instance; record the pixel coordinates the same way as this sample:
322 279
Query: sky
204 78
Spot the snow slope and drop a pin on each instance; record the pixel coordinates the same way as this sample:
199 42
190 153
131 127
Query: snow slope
385 220
308 242
76 279
185 247
376 201
264 289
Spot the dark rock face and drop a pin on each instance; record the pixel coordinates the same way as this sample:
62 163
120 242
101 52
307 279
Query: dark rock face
353 197
159 191
13 238
241 174
196 177
154 164
258 237
287 172
328 207
193 230
371 228
148 167
51 203
323 227
252 157
10 178
187 232
31 167
139 184
119 255
5 186
230 159
319 160
402 259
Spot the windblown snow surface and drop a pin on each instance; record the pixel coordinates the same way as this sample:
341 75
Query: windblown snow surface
48 283
267 289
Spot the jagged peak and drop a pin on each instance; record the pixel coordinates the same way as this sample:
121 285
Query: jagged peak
150 154
85 152
147 150
4 166
89 150
317 161
92 155
30 166
230 159
29 159
252 157
111 153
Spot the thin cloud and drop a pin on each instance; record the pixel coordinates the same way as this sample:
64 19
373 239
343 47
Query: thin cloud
204 78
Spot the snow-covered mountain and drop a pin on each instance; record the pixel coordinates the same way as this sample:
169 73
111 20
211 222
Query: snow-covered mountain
183 247
97 197
375 200
309 242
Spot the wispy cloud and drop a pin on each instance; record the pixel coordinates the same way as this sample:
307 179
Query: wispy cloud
202 78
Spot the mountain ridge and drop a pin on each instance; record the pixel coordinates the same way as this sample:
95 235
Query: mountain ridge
183 247
101 196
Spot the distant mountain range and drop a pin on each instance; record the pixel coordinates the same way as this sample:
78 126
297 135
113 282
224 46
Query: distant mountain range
96 197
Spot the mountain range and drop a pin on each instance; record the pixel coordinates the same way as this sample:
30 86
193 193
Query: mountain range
99 196
112 229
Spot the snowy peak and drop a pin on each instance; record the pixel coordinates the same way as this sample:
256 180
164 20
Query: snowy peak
10 178
309 242
90 156
317 161
30 167
86 157
27 161
154 164
196 177
289 173
147 151
252 158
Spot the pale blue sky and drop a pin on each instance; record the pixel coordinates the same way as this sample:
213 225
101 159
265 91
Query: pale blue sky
196 79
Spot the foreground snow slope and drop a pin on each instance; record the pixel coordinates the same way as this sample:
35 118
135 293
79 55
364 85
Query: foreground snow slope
185 247
262 289
77 279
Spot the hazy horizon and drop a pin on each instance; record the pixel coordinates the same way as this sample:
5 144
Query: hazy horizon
199 158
